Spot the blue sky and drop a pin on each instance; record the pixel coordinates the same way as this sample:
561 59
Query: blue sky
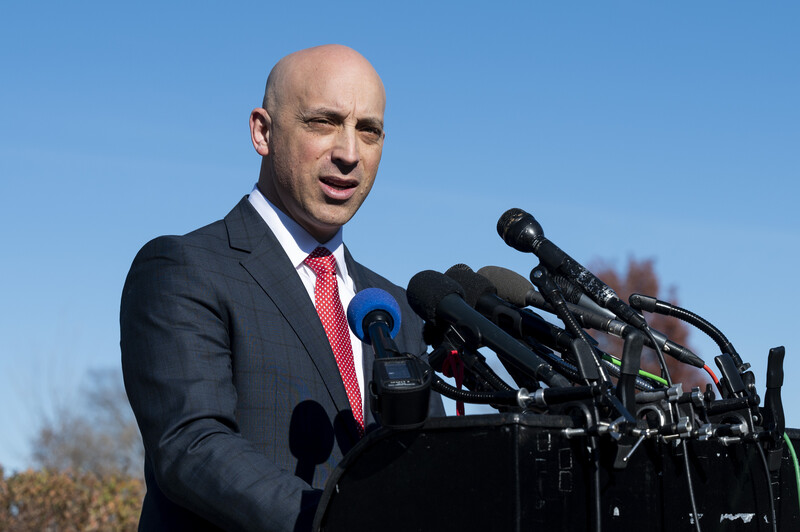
655 130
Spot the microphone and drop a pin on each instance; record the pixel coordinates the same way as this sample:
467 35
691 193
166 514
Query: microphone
522 324
481 294
514 288
575 295
436 297
521 231
401 383
374 317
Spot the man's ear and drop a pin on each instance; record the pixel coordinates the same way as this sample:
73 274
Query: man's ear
260 126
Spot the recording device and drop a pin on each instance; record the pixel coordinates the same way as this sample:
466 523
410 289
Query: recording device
401 383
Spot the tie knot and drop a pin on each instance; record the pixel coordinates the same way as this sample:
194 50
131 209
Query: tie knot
321 261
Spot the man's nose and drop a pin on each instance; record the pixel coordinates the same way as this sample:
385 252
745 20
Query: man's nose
345 150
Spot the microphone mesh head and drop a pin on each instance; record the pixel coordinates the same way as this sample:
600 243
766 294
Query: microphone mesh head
474 285
426 289
520 230
510 286
369 300
507 219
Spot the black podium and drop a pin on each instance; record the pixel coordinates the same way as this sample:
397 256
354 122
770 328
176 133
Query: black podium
512 472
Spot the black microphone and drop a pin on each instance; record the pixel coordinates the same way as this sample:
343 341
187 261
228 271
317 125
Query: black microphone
525 325
436 297
575 295
514 288
521 231
481 294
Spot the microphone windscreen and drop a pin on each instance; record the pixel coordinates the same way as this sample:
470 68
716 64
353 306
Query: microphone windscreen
507 219
519 230
474 285
369 300
510 286
426 289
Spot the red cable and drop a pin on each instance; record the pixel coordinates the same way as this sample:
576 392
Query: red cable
453 366
713 377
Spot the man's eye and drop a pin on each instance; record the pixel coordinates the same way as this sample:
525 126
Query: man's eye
372 132
321 122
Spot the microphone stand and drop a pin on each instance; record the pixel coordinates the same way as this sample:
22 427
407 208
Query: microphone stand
586 358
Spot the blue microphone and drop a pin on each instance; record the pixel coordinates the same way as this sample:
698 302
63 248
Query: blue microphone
400 387
376 308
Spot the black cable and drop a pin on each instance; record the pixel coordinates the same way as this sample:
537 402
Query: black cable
597 507
773 515
695 515
493 379
541 278
651 304
674 408
571 372
661 361
562 366
508 398
751 422
595 449
666 375
592 417
473 362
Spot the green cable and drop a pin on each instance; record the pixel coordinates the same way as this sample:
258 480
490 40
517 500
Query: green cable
796 465
642 372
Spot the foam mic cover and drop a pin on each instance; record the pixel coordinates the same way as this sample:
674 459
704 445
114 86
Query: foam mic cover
427 289
510 285
474 285
366 305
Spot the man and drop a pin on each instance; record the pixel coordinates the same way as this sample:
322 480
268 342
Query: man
246 395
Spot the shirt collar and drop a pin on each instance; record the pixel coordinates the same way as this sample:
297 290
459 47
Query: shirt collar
295 241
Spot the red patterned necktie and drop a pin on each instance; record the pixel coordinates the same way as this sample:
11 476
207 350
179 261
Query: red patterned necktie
331 313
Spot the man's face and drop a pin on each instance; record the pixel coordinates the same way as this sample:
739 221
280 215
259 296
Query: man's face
325 144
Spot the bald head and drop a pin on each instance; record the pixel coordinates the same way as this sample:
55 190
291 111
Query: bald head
320 135
314 63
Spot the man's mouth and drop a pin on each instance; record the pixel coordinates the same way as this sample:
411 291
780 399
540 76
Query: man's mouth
337 188
342 184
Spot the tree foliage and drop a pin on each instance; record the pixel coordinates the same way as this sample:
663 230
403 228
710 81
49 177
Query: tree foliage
89 462
641 278
67 501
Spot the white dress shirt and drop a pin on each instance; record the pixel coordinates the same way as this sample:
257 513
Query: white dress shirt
298 244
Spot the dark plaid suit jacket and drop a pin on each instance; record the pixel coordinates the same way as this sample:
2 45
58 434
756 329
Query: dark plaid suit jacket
233 382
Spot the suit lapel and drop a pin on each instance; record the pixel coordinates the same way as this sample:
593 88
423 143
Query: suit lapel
269 266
